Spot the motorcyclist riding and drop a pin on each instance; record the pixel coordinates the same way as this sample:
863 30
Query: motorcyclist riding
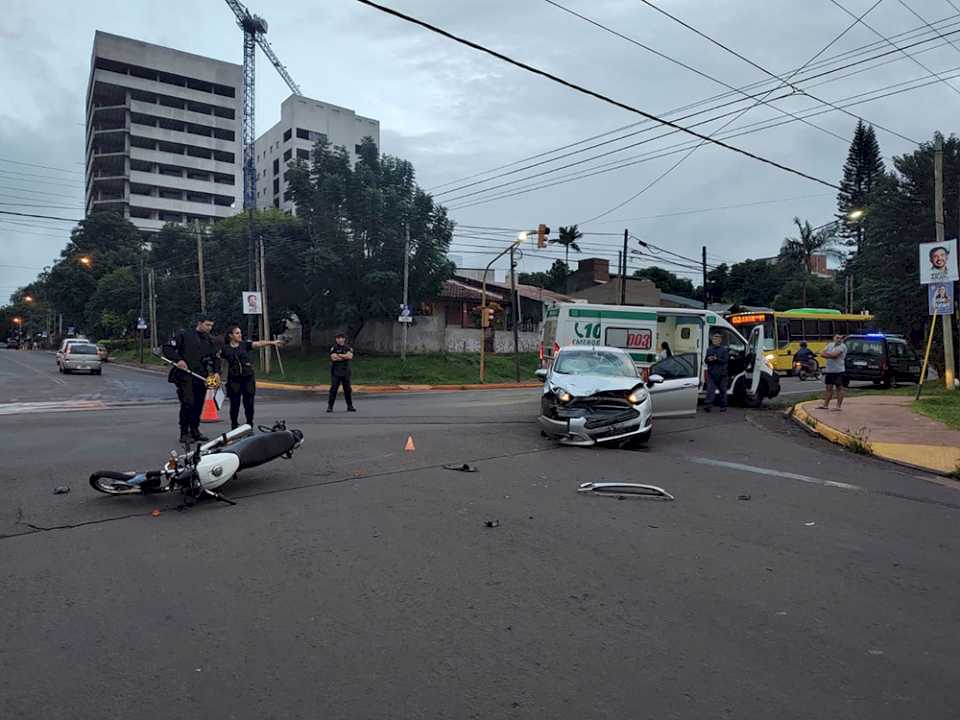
807 358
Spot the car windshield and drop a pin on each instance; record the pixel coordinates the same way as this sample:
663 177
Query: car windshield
592 362
859 346
78 349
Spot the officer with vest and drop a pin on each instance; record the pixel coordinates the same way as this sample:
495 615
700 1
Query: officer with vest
193 351
340 356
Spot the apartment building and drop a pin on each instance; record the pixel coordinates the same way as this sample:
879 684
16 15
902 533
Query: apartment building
302 122
163 134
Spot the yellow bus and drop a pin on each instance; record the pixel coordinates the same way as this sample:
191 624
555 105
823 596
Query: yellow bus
783 331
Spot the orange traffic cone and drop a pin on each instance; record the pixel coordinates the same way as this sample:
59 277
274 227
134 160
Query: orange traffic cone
210 413
409 447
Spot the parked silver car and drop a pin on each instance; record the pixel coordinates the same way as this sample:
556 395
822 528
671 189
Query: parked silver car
595 394
80 357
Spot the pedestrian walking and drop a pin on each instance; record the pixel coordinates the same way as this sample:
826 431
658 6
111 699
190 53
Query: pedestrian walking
341 355
835 372
241 380
193 351
717 360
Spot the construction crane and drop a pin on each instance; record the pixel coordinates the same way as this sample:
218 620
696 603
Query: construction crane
254 29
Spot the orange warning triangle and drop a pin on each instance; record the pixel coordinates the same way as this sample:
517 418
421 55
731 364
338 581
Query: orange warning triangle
409 447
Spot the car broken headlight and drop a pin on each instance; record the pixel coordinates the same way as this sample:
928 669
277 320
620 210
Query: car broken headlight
638 396
562 395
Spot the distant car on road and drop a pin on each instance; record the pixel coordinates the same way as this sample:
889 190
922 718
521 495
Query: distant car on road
596 394
103 352
65 344
884 359
82 356
12 344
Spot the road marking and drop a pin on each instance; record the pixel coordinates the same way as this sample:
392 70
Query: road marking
23 408
775 473
48 376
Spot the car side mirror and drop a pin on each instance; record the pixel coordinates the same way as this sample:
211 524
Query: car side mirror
654 380
541 373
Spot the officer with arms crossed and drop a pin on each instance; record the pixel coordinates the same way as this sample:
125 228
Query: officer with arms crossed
193 351
340 356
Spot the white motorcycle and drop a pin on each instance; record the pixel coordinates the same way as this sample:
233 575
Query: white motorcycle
202 472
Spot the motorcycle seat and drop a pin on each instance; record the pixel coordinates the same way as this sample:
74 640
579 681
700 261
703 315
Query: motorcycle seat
260 449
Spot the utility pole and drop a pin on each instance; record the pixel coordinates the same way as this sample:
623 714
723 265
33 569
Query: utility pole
703 267
516 311
948 374
406 287
140 316
251 261
623 273
203 291
265 316
152 300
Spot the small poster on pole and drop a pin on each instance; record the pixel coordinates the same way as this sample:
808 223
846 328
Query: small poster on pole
940 296
252 304
938 262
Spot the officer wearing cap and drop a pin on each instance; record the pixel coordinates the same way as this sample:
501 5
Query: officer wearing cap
193 351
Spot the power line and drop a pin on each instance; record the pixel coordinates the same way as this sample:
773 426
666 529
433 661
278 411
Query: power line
736 117
854 52
892 44
739 132
924 21
45 167
592 93
44 217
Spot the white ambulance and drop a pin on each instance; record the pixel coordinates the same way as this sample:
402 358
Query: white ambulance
641 331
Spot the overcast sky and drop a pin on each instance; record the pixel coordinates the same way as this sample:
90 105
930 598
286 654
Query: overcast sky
455 112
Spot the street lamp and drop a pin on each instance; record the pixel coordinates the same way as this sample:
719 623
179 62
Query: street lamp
28 298
85 260
521 238
855 214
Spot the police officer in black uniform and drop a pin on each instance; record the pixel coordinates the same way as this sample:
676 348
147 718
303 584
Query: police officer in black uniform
193 350
340 356
241 381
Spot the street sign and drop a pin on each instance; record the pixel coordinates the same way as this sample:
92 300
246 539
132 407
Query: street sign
141 324
940 298
406 311
938 262
405 319
251 303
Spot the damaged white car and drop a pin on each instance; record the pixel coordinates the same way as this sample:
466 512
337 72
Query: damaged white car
596 395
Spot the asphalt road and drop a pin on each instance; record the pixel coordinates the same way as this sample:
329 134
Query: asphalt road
359 581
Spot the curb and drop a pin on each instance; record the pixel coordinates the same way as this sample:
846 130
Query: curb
799 415
361 389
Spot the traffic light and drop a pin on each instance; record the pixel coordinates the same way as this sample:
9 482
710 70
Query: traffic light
486 316
542 232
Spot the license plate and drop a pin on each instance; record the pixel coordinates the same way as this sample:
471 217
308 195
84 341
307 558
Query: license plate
860 363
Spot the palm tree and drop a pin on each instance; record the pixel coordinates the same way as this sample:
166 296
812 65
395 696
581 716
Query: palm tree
811 241
568 238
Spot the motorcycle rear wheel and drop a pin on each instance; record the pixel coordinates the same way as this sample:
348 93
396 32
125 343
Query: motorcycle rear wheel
114 483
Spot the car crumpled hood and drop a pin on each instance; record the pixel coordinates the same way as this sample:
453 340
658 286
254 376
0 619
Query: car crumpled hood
587 385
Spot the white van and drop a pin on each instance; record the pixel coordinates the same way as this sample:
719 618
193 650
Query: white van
641 330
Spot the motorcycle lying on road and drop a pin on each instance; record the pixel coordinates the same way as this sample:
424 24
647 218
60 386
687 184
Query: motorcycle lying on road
203 471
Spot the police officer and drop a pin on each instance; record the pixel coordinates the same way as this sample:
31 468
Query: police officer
194 351
340 356
718 360
241 382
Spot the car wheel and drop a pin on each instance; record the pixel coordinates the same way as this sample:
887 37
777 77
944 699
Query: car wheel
97 372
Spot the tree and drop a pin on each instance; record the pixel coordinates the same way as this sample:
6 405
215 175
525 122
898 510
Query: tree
666 281
861 172
554 279
354 220
112 310
717 281
568 238
798 252
755 282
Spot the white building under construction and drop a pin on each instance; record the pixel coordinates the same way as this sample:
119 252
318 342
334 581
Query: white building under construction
302 122
163 134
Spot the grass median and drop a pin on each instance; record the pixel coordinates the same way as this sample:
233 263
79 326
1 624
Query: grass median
427 369
940 405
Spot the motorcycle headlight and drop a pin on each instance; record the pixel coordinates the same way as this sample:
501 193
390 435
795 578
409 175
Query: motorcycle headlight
638 396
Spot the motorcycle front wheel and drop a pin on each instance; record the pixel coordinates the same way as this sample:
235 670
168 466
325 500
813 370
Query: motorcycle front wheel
115 483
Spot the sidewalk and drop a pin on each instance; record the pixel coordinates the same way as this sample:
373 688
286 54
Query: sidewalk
889 428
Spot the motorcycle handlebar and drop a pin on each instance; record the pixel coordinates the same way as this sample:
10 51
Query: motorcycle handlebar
226 437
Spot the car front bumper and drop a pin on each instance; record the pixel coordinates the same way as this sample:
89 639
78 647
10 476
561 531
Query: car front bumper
575 431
